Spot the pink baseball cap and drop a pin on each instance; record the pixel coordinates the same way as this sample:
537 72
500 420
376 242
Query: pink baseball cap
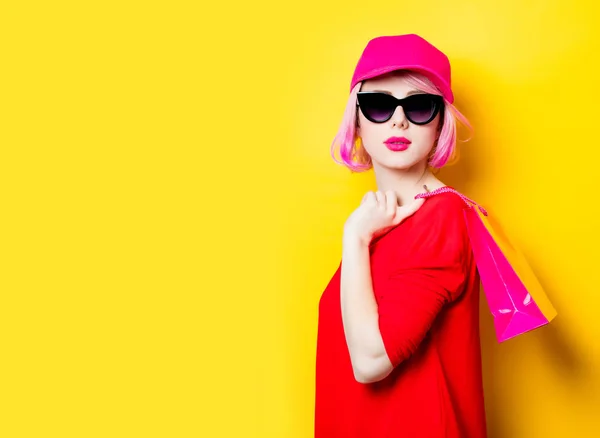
404 52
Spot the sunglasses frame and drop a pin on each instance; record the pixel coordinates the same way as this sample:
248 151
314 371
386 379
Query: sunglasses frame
438 102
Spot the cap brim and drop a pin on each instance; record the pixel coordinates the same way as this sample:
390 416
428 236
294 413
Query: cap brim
432 75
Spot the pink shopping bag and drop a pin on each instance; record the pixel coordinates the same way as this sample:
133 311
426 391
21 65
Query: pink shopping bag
514 296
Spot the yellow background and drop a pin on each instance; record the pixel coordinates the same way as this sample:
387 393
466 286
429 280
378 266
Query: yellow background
171 213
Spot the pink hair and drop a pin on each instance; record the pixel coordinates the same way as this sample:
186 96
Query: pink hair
352 153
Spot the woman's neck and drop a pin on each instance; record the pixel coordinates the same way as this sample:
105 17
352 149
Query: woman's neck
406 183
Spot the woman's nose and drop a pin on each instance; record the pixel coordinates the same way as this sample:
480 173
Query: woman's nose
399 118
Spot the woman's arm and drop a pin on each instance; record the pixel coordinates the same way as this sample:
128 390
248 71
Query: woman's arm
370 362
378 212
383 332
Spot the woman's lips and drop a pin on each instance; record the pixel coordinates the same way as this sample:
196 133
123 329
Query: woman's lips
397 143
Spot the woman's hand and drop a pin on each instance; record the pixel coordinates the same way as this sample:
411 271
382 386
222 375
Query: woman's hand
378 212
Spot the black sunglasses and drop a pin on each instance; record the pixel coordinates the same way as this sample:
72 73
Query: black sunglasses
419 109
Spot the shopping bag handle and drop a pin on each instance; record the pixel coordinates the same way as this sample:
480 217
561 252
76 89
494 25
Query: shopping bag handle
470 203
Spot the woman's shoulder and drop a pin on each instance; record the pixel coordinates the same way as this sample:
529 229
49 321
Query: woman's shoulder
441 207
440 218
437 232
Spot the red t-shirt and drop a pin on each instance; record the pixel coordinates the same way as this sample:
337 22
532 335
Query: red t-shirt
426 284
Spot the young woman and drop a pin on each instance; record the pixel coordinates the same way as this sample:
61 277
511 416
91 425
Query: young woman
398 349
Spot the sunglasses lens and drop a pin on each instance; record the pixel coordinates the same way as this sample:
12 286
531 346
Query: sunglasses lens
376 107
421 108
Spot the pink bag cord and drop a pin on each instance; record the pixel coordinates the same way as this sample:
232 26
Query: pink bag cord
467 201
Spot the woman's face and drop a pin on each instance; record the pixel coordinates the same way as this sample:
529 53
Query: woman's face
413 144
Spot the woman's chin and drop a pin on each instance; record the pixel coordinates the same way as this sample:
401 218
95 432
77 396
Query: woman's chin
399 163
